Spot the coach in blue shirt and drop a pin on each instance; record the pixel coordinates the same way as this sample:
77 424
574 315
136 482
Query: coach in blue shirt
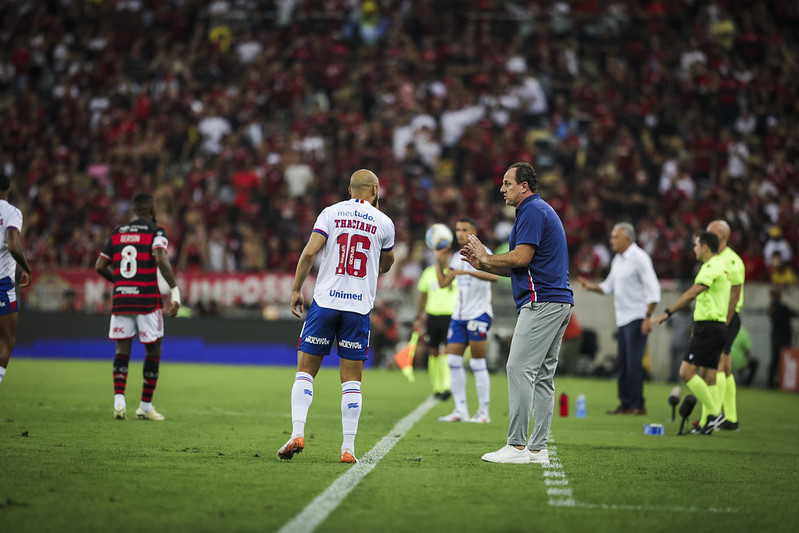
538 265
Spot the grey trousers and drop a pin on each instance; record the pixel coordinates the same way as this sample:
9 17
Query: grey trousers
531 367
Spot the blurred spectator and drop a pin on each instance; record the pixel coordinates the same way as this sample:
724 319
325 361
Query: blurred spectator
253 255
587 261
737 156
69 302
213 127
776 243
782 273
221 257
781 332
384 333
755 263
298 175
193 251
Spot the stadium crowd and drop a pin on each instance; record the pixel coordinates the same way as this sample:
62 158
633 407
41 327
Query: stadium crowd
245 117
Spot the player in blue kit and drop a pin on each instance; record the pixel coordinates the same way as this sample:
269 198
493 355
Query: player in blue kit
11 257
469 326
357 244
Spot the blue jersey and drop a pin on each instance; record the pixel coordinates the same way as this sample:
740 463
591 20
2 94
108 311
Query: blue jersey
546 278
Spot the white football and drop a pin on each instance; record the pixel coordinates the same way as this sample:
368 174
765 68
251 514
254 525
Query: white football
438 237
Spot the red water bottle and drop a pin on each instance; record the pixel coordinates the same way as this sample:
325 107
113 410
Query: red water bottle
564 404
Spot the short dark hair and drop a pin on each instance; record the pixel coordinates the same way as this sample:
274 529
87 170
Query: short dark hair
710 239
468 220
143 203
5 182
526 172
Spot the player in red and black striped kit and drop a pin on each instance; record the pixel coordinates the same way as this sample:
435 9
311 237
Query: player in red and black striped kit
130 260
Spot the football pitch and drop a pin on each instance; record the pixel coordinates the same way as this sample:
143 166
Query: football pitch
66 465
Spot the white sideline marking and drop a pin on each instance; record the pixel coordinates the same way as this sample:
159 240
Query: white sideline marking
562 497
324 504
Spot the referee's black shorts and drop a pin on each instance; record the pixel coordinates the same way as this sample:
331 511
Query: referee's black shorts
437 326
732 331
707 341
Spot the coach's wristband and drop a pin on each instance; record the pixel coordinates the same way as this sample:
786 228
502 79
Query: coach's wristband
175 292
668 312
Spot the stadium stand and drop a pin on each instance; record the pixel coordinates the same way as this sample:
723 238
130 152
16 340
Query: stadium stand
244 117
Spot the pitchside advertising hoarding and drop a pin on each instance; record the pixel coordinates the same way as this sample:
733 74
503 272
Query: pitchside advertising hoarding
81 335
84 289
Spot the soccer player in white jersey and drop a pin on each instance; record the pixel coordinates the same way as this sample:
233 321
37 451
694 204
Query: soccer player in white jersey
11 256
357 244
469 326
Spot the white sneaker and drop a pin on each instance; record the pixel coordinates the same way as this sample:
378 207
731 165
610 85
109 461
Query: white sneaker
454 416
509 454
542 456
152 414
120 413
480 419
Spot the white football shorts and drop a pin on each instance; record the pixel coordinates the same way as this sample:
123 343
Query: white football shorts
149 326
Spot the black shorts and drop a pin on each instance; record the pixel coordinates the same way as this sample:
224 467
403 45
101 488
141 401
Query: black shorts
437 326
732 331
707 341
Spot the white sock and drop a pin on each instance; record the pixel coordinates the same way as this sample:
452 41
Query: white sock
458 374
351 403
145 406
482 383
301 398
2 373
119 401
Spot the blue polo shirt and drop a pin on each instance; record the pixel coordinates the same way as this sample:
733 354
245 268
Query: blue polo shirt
546 278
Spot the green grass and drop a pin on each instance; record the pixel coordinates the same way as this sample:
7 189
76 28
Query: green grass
66 465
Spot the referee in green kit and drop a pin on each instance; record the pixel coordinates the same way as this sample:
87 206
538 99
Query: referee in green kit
711 289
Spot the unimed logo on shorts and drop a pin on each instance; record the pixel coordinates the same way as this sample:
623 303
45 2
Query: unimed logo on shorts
316 340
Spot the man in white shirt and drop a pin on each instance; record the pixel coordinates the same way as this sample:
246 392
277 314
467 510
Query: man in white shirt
213 128
468 326
636 292
356 240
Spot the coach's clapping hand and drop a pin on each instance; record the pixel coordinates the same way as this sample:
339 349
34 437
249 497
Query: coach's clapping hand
474 252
